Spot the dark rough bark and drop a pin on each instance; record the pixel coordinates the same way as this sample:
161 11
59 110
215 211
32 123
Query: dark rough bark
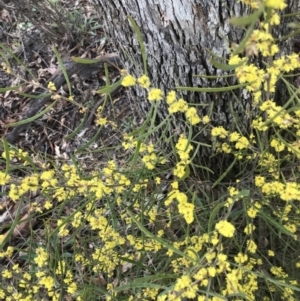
177 35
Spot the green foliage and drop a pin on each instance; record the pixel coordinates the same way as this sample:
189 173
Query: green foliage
127 231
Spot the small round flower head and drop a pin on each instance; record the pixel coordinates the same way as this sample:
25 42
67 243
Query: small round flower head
128 81
155 94
144 81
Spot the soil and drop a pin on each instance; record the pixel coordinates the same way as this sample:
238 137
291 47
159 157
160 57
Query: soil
64 129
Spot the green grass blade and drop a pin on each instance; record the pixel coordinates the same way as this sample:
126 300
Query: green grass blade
226 67
89 142
7 156
110 88
4 240
213 215
10 88
246 20
63 69
241 46
18 60
40 96
210 90
214 76
225 173
85 61
141 42
28 120
75 132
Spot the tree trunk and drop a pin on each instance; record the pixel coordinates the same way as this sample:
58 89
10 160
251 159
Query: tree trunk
177 36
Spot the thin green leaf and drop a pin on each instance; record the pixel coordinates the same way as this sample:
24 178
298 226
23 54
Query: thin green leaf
242 194
63 69
28 120
89 142
187 173
214 76
290 15
141 42
135 284
28 160
40 96
278 282
274 223
10 88
213 215
7 156
16 221
85 61
211 90
225 173
246 20
75 132
241 46
292 34
3 55
226 67
293 25
110 88
18 60
107 79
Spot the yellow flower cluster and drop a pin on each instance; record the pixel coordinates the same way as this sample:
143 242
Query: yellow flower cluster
155 94
4 178
273 4
248 74
277 115
182 106
6 68
29 183
287 191
128 81
235 141
144 81
183 147
51 86
185 209
225 228
186 287
150 159
263 42
219 132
